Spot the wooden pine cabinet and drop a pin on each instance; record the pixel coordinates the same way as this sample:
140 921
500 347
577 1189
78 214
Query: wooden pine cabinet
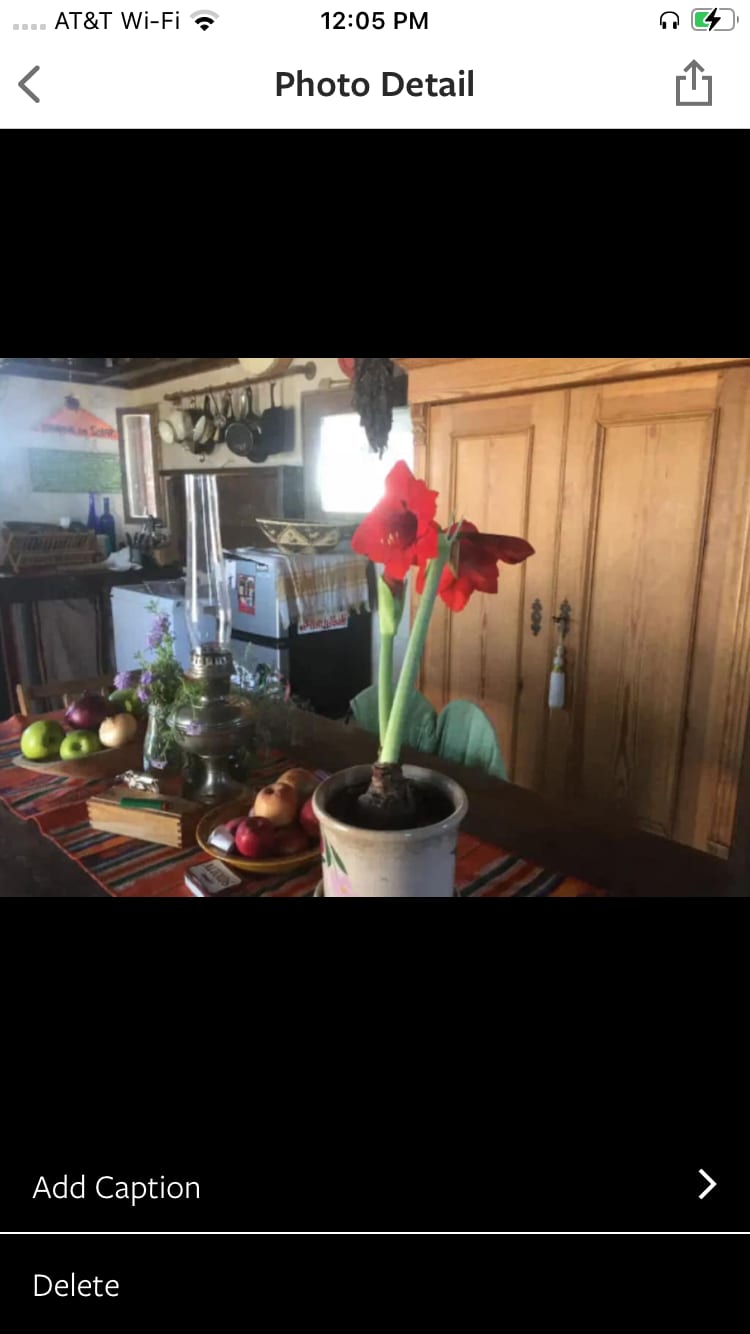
636 497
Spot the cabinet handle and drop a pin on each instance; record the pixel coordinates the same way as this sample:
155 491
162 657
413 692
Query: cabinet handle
536 616
563 620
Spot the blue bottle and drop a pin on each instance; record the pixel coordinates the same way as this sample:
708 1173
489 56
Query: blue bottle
106 527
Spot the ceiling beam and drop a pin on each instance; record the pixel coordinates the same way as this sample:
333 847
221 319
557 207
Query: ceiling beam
138 373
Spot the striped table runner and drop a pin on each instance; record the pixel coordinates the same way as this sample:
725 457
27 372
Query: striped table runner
129 868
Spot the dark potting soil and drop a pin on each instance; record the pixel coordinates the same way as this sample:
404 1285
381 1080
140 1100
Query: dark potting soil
432 807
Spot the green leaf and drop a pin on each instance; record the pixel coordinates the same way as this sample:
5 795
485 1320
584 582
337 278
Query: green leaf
466 736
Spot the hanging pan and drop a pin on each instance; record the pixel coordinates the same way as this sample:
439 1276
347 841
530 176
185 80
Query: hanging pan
244 436
277 427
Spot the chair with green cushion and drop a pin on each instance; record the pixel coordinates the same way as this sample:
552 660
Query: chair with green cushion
421 726
466 736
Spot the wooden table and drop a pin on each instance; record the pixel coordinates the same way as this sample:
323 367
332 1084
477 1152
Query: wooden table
561 837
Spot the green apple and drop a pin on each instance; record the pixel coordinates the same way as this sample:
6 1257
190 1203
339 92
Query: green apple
41 741
127 701
77 745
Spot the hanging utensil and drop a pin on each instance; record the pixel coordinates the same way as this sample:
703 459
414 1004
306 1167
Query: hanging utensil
277 427
204 430
221 419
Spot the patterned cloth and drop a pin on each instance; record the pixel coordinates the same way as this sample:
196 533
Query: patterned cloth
129 868
312 588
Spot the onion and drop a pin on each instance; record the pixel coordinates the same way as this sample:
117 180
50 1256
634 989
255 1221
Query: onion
88 712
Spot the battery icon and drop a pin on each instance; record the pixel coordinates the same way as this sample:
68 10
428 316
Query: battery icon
713 20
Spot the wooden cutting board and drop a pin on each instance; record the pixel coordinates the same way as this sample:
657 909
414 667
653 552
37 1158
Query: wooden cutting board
100 765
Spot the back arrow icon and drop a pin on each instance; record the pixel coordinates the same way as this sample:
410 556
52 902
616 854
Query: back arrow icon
22 83
709 1187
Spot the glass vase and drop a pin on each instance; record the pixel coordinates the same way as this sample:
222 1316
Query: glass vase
162 756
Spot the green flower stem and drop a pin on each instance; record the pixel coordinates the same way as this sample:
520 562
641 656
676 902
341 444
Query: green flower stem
391 747
385 684
390 611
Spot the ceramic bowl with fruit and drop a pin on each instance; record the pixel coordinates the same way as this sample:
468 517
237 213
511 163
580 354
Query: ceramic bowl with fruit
279 831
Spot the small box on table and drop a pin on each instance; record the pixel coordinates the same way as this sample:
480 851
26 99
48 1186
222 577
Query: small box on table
173 826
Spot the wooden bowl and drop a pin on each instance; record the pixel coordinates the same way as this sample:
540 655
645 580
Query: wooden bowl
102 764
271 866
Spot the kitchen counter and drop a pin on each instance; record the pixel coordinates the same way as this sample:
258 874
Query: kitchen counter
76 582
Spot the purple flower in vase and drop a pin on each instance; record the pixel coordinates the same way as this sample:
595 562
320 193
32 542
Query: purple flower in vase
147 678
144 694
126 680
159 628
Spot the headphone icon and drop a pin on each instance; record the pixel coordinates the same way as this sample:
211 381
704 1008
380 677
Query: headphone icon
667 13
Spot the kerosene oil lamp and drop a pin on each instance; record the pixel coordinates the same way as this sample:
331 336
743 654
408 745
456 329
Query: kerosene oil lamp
216 722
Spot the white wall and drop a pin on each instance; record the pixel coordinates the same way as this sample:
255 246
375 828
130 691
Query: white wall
288 395
24 403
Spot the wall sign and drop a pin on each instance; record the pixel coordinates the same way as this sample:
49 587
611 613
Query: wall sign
74 470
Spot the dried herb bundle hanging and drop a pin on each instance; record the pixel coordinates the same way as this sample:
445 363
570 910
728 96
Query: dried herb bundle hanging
373 399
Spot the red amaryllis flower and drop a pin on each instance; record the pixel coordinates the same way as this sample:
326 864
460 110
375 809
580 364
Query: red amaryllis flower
473 568
401 530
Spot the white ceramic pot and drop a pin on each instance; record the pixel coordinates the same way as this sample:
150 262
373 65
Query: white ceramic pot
404 864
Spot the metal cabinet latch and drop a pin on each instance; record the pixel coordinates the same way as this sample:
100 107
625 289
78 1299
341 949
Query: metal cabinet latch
563 620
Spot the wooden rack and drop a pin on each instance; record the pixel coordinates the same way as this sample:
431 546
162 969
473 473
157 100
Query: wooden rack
309 370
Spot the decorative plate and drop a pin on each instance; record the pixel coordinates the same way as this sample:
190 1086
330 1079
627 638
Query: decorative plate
271 866
254 366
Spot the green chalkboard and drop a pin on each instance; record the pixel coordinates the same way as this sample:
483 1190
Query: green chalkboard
74 470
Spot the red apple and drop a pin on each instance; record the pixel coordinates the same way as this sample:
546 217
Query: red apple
277 803
255 838
291 841
233 825
308 820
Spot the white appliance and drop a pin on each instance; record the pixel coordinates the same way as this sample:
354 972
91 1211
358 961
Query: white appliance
133 610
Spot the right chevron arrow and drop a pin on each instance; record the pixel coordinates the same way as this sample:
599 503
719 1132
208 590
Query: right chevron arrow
709 1187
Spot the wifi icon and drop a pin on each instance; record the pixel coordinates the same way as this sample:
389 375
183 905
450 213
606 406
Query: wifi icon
205 18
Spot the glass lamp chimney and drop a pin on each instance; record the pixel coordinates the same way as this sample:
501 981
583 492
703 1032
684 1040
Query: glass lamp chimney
208 608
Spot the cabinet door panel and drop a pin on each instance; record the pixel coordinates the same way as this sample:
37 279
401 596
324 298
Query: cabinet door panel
497 463
653 557
645 577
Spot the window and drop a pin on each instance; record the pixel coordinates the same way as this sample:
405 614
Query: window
351 478
343 477
140 456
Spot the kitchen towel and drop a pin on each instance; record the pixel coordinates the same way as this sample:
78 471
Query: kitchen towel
314 589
